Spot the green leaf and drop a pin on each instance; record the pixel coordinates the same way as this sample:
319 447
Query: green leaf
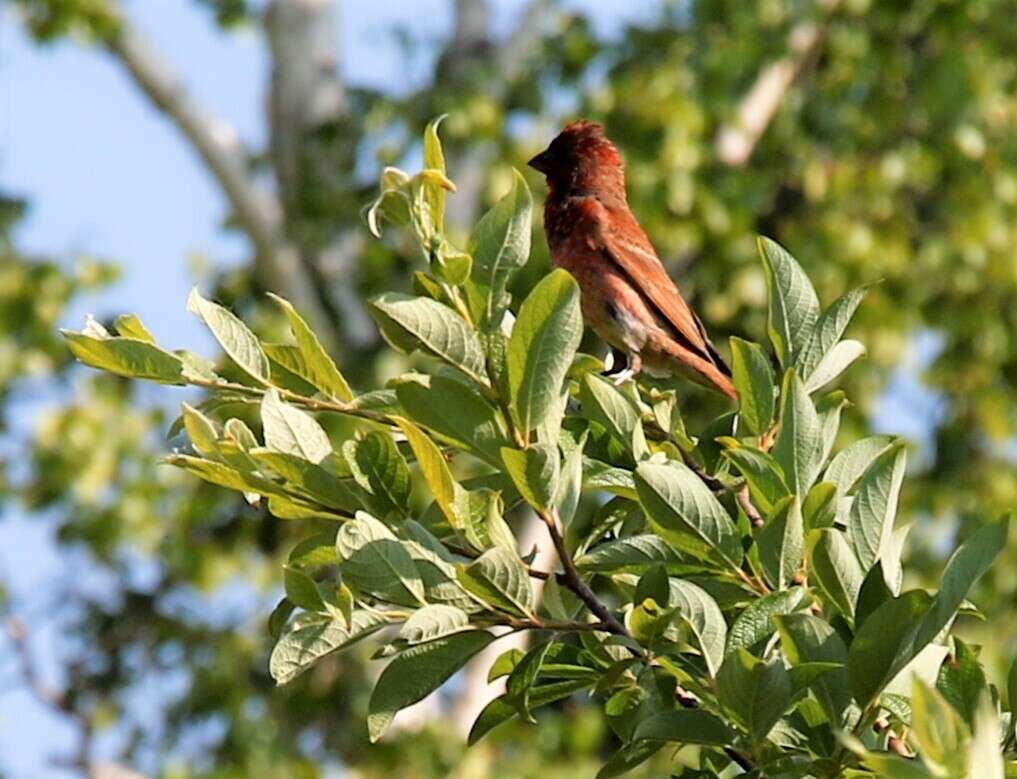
694 605
435 620
900 629
756 622
500 245
292 431
200 429
435 471
688 726
520 682
500 710
601 476
373 560
806 638
686 513
628 757
828 330
456 413
535 472
633 554
317 367
130 326
306 642
794 306
504 664
962 681
799 446
756 693
753 379
483 524
835 569
848 465
301 590
380 469
870 521
820 506
940 733
416 673
225 476
130 357
882 646
313 551
499 579
434 159
239 343
763 475
570 482
316 483
836 361
417 323
615 410
782 543
544 340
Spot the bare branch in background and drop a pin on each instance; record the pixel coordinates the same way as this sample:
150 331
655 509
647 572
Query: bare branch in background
508 60
736 142
307 111
61 703
257 210
305 92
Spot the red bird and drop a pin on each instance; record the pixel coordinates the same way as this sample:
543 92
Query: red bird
627 297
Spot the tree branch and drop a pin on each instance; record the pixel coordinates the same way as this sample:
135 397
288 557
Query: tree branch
736 142
60 702
575 582
258 212
214 140
464 50
313 151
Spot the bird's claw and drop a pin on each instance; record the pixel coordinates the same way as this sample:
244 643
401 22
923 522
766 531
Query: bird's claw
622 376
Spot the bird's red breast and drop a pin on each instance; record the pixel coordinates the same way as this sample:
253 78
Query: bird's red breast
627 296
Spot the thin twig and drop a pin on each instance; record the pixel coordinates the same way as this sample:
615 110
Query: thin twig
575 582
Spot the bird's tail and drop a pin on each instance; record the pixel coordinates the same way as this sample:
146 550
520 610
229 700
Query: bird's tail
698 368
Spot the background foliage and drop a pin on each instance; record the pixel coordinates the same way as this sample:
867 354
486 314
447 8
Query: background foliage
890 156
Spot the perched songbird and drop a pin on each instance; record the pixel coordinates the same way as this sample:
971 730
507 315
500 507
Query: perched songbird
627 297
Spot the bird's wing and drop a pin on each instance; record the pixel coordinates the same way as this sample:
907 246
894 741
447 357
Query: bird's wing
623 241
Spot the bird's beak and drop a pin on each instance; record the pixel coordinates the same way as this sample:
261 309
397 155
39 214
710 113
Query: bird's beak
541 162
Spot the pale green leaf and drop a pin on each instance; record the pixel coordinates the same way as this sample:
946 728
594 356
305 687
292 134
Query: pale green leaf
317 367
794 306
685 511
500 245
417 323
499 579
307 642
292 431
374 561
799 446
544 341
753 380
130 357
239 343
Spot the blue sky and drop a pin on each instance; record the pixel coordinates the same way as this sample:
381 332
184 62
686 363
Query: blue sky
107 176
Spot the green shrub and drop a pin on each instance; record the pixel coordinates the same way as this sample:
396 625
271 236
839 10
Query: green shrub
739 591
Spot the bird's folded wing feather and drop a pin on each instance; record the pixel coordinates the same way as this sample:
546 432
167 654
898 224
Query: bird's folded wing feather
623 241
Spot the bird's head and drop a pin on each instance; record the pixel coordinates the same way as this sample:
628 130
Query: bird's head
582 160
